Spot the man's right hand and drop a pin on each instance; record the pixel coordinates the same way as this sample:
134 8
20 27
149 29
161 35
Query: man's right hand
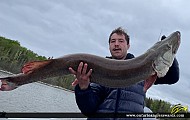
7 86
82 76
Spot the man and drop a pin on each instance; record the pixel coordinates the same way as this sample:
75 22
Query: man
92 98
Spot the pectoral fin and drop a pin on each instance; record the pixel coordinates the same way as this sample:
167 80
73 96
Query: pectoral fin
149 82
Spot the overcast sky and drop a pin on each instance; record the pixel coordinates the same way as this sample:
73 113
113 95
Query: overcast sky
60 27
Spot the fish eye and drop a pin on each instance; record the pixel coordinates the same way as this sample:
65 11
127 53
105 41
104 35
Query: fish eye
169 47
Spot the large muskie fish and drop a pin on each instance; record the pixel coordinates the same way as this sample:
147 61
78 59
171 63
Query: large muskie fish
106 72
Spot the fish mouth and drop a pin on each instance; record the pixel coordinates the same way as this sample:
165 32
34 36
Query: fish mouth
177 43
174 41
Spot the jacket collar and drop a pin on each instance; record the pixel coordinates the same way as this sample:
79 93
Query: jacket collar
129 56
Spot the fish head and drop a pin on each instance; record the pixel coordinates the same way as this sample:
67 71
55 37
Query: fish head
165 52
172 42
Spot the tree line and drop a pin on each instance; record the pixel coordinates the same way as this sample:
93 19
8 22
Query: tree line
13 56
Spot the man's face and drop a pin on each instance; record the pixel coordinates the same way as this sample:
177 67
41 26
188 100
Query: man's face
118 46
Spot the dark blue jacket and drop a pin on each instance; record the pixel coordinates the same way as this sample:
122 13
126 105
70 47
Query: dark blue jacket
100 99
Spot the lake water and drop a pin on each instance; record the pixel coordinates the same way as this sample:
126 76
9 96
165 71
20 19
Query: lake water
38 97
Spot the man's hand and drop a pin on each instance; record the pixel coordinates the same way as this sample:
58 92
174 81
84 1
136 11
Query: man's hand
82 76
6 86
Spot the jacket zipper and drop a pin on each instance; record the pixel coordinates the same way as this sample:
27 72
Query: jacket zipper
117 102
